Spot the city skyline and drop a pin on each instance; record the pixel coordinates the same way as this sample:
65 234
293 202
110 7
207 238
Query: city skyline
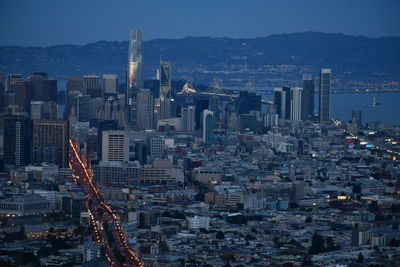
200 151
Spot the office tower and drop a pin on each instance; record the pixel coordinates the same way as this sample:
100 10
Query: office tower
83 107
75 83
145 110
140 149
296 103
134 74
247 102
156 147
282 102
356 122
2 91
37 110
115 146
324 95
187 118
165 90
135 61
200 106
23 94
17 140
92 86
50 142
44 89
208 127
11 79
110 83
308 98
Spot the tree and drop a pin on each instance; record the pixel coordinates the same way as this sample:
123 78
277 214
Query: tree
308 220
317 244
360 258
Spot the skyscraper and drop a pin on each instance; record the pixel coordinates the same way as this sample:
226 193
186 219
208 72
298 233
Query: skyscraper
187 117
165 90
145 110
208 127
50 142
44 89
296 103
110 83
17 140
23 94
282 102
92 86
83 108
37 110
324 95
134 74
308 98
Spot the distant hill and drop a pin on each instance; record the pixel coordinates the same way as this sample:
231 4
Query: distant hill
352 58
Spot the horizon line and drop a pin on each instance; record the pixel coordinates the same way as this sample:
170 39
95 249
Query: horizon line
202 36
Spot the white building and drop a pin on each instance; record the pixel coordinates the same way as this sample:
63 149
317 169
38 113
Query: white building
295 103
198 222
115 146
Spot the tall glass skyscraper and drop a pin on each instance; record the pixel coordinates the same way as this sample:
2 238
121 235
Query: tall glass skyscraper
308 98
165 90
324 95
134 74
208 127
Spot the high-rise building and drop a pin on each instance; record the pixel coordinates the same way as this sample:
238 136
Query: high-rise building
308 98
17 140
50 142
23 94
282 102
187 118
296 103
75 83
145 110
44 89
83 107
37 110
208 127
156 147
135 61
115 146
11 79
165 90
134 74
92 86
110 83
248 101
324 95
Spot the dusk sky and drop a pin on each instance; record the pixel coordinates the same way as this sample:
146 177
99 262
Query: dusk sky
49 22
